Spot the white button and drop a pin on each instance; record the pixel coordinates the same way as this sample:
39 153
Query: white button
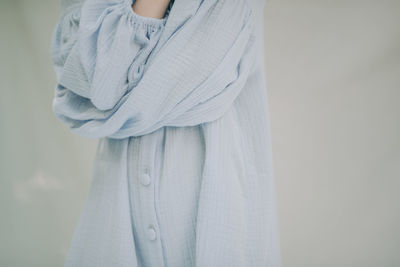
152 233
146 179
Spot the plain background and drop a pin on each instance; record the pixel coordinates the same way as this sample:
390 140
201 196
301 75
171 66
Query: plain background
333 80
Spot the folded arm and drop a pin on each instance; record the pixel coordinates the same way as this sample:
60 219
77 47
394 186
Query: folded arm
111 84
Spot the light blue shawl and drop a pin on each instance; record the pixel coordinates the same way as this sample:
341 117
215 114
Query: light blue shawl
195 70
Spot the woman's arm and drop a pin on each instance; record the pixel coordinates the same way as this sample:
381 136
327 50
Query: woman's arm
87 47
150 8
111 84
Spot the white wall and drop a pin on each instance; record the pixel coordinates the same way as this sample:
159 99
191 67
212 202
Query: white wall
333 77
333 72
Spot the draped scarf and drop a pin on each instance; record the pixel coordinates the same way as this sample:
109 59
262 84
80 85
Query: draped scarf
196 69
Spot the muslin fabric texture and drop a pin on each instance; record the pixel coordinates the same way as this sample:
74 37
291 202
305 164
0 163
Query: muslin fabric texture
183 169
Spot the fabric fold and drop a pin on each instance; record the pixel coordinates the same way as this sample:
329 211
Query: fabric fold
111 44
118 80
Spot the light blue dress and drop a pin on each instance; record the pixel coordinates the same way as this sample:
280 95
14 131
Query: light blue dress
183 172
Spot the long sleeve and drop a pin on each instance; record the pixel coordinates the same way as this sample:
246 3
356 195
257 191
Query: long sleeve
115 79
98 44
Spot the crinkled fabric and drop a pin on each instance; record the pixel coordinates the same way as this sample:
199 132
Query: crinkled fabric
183 170
121 75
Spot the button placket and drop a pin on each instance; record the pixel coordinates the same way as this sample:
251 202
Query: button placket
144 197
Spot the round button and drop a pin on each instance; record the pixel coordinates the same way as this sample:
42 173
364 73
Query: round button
152 233
146 179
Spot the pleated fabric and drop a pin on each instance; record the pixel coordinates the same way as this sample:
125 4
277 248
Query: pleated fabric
183 170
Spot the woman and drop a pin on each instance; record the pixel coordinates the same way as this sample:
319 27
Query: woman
175 93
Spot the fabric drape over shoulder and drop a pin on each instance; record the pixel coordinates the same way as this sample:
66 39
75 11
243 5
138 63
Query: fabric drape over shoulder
183 170
121 74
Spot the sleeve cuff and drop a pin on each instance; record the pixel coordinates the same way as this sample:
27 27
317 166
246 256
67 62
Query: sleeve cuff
142 21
